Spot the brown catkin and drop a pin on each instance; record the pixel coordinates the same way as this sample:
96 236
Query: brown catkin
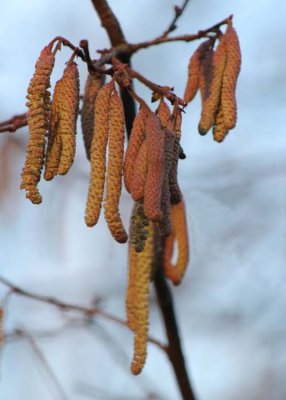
205 74
139 174
93 84
213 90
219 130
138 224
142 281
175 192
98 154
164 114
166 224
38 121
136 139
114 169
179 234
68 113
194 71
155 172
232 69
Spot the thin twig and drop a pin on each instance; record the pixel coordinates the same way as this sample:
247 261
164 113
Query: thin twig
178 13
14 123
44 362
87 310
133 48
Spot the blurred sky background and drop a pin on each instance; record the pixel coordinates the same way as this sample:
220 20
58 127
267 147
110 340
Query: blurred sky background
231 305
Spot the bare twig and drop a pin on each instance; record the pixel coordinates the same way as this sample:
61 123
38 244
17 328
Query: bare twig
133 48
44 362
178 13
86 310
14 123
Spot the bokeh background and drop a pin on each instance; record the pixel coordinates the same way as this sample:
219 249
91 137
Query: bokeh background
231 305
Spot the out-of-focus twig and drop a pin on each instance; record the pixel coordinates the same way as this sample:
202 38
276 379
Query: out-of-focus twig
178 13
14 123
86 310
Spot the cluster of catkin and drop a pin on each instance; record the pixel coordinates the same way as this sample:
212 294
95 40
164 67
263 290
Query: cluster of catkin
215 73
52 125
150 175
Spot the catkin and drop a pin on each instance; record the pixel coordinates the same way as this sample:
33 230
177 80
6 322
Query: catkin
219 130
166 224
139 174
194 71
93 84
175 192
114 170
155 172
232 69
131 289
98 155
180 233
38 120
164 114
142 281
213 90
138 232
205 74
136 139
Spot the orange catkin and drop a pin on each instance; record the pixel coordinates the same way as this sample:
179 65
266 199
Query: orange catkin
139 174
164 115
213 90
98 154
180 233
175 192
142 281
155 172
219 130
194 71
93 84
115 167
138 232
135 141
131 289
38 120
232 69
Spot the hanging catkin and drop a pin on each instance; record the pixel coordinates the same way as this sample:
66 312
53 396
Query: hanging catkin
164 114
138 224
131 289
93 84
179 234
139 174
166 224
136 139
213 90
114 170
205 74
194 71
142 281
155 172
219 130
175 192
232 69
38 120
98 154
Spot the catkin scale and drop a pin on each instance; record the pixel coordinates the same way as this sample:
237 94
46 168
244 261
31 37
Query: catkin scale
213 90
135 141
155 171
232 69
142 281
98 155
194 71
93 84
180 234
139 174
114 169
38 121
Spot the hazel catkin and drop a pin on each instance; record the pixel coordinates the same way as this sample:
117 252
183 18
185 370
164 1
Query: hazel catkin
98 154
93 84
232 69
135 141
175 192
139 174
114 171
38 121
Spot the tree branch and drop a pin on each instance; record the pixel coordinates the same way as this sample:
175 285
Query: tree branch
178 13
14 123
86 310
174 350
